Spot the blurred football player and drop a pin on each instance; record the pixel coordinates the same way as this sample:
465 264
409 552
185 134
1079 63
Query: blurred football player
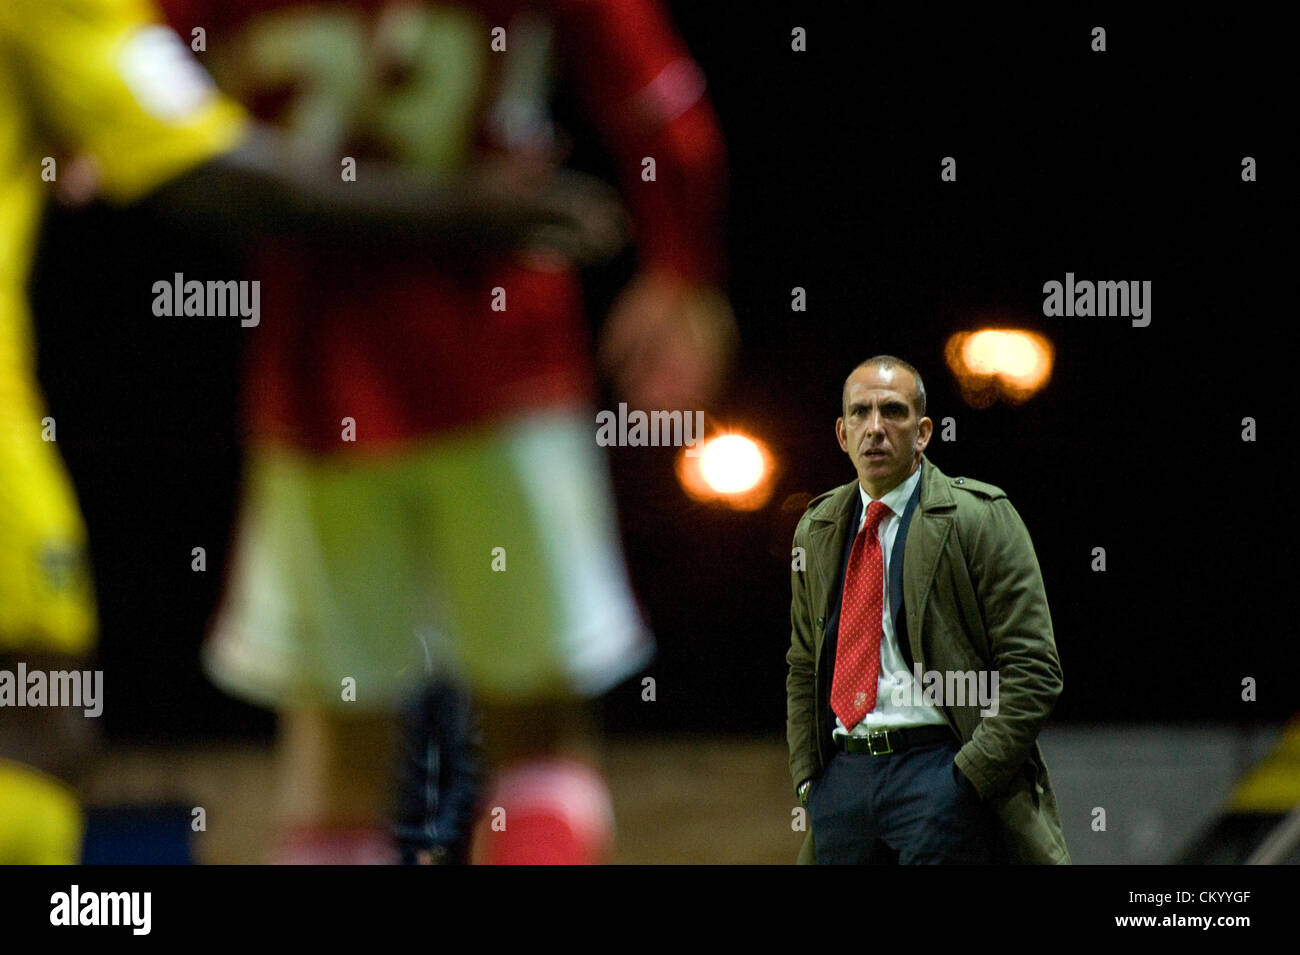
104 81
423 477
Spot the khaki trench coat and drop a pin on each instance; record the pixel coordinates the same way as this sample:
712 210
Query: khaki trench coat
974 600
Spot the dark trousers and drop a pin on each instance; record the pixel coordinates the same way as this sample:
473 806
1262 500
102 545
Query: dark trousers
903 808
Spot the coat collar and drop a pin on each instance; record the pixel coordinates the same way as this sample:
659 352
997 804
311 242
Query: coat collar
829 528
836 507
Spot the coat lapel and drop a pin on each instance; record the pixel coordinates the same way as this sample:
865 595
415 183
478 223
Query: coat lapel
827 533
896 561
927 536
928 518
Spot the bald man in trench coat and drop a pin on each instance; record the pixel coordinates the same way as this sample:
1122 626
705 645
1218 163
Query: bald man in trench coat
967 594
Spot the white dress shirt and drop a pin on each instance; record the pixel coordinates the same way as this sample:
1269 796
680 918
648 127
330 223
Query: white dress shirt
894 672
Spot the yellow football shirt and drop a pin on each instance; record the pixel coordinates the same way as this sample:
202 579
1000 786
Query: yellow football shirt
105 80
102 78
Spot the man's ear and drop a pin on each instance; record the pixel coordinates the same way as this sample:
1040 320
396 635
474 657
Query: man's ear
839 434
924 428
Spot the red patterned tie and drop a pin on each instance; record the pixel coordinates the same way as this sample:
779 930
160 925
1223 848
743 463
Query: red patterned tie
857 650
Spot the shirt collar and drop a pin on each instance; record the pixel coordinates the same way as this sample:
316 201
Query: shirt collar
896 500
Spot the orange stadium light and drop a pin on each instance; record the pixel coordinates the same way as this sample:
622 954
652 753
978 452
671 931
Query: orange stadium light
992 363
732 469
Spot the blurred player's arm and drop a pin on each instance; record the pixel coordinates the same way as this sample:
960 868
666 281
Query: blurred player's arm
670 336
262 184
120 90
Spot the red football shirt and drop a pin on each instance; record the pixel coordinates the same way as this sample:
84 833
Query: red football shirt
409 345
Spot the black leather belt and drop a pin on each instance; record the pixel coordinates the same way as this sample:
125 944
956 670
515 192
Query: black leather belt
882 742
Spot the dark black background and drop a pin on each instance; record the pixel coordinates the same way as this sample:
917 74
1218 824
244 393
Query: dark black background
1115 165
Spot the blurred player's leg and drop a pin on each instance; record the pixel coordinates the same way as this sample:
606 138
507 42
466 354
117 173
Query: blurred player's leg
334 786
550 805
40 818
43 757
535 593
47 623
317 623
490 556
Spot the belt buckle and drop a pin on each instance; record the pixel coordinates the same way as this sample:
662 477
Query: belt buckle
871 743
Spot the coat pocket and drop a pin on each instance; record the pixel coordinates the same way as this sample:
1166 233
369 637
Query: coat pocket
1027 831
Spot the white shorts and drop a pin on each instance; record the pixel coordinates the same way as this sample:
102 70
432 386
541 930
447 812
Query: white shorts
489 556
